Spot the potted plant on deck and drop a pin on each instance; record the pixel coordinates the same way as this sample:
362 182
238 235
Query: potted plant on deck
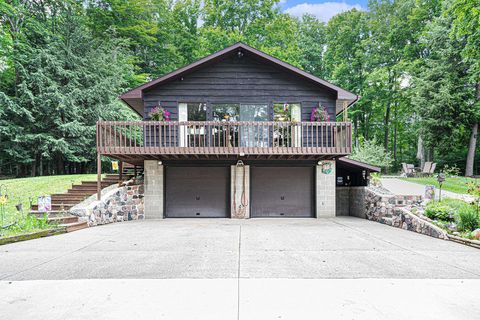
159 114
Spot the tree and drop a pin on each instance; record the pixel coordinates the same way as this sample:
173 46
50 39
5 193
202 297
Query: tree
345 60
441 89
466 26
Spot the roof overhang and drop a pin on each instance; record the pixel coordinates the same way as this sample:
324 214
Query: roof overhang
134 97
353 164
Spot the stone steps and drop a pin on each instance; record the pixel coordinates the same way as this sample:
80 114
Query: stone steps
61 203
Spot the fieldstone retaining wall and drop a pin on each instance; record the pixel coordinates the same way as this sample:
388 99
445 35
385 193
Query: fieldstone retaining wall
120 204
390 209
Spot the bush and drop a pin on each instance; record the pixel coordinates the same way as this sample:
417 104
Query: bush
467 219
372 153
439 211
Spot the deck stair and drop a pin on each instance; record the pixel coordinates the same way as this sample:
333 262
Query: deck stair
62 202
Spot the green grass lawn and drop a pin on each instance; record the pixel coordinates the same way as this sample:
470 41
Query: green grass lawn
453 184
22 189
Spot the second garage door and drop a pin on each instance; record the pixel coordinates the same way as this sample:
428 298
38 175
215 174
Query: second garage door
282 192
196 192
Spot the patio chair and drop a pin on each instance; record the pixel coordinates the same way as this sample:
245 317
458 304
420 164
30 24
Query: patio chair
432 168
408 169
426 169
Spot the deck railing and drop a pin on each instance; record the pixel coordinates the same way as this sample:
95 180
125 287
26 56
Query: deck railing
225 138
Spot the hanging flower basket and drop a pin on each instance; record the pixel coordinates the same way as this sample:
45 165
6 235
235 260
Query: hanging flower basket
319 114
159 114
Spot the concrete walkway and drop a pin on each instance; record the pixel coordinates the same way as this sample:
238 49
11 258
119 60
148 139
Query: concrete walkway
342 268
402 187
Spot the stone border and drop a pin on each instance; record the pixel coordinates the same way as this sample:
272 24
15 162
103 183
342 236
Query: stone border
407 220
468 242
386 209
32 235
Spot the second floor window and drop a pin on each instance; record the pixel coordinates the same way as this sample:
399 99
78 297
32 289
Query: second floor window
196 111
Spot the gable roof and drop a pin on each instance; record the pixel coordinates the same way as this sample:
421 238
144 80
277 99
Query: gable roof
134 97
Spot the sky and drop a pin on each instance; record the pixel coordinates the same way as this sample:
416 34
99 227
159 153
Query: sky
322 9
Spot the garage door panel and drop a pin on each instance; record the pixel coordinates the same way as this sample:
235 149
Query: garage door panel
196 192
282 191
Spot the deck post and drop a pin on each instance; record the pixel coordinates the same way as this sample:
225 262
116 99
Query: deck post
99 177
120 170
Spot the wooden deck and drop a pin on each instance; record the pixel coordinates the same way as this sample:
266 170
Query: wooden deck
135 141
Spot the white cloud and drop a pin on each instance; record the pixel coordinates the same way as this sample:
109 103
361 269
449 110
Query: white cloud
323 11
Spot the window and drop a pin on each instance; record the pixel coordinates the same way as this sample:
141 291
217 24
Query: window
226 112
285 111
196 111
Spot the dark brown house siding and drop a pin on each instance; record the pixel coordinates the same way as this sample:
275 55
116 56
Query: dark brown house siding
240 80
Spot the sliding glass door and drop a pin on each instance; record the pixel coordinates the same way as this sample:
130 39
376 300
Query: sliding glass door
254 136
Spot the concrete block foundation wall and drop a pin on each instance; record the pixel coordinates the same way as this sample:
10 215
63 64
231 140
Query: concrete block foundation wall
350 201
325 189
154 189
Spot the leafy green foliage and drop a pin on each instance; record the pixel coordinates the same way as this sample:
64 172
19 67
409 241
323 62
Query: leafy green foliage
467 219
372 153
439 211
63 64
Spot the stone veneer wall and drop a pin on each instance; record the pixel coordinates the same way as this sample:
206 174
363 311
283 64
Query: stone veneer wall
122 204
388 209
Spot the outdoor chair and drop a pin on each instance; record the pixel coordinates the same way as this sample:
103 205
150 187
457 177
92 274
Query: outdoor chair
408 169
432 168
426 169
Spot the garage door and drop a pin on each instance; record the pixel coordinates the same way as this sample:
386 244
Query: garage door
196 192
282 192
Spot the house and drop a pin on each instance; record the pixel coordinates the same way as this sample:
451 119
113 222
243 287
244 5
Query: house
243 138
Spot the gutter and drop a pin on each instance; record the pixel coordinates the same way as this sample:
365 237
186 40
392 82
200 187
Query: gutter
351 104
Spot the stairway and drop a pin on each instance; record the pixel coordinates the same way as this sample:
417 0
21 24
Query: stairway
62 202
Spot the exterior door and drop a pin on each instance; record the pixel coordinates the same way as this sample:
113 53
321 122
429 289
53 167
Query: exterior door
282 191
200 192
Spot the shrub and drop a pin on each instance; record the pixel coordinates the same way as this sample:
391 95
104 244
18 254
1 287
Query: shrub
439 211
452 171
372 153
467 219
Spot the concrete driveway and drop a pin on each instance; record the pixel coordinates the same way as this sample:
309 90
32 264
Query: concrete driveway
257 248
228 269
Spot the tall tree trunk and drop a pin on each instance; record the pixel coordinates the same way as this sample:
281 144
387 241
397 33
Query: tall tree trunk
395 133
471 151
386 122
40 166
420 151
472 145
33 172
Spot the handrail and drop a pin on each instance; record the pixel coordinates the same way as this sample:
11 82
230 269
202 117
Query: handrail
220 137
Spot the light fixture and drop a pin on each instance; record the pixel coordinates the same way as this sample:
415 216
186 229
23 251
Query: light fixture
159 163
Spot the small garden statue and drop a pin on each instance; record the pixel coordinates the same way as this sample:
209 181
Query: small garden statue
159 114
319 114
